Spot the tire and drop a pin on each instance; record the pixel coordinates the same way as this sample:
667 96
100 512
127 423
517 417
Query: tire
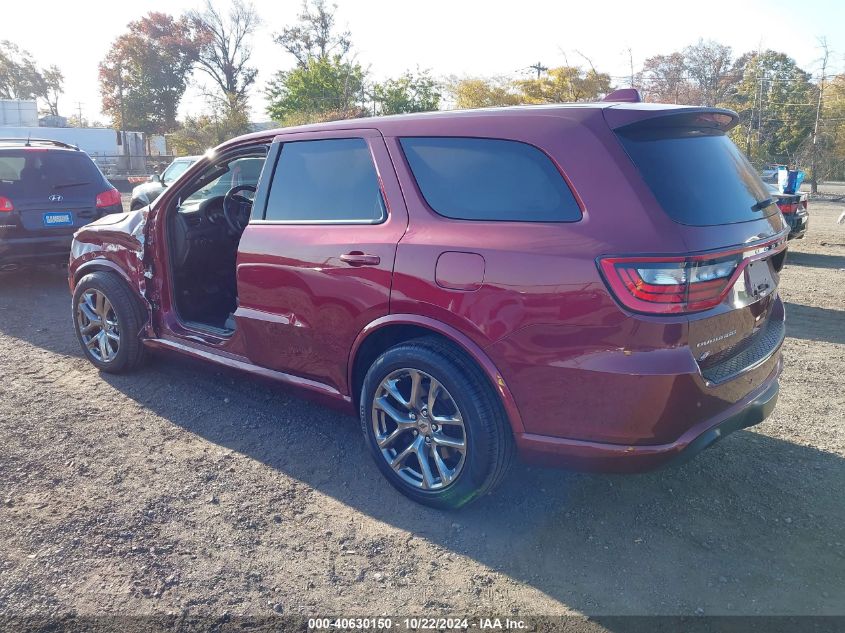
124 319
463 395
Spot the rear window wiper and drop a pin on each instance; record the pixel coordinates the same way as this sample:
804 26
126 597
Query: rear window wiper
70 184
762 204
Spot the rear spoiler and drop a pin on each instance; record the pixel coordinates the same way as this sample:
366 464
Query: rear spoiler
645 116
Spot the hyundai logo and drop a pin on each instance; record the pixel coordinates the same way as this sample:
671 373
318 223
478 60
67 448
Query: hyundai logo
56 198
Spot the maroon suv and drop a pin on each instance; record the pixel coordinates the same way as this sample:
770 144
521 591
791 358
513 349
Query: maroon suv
592 286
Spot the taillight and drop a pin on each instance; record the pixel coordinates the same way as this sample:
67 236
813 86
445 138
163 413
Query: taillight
788 207
6 205
108 198
670 285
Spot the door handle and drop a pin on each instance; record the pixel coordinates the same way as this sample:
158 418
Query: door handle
357 258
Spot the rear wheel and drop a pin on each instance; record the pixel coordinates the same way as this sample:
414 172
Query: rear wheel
108 321
433 424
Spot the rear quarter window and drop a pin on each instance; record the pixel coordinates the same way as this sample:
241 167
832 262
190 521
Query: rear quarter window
489 179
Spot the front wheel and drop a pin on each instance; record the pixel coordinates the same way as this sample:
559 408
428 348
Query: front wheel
433 424
107 319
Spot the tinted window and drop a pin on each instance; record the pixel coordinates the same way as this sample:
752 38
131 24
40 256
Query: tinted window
489 179
325 181
33 172
698 177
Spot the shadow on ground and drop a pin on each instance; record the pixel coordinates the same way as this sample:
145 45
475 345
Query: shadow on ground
815 324
815 260
753 525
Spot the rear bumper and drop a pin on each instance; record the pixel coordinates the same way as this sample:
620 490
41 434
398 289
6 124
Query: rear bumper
19 250
602 457
798 223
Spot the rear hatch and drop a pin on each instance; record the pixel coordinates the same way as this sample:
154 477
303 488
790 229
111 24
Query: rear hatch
51 191
735 236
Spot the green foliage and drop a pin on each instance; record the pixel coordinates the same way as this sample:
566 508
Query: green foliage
325 85
145 74
20 78
482 92
781 97
198 134
565 84
408 93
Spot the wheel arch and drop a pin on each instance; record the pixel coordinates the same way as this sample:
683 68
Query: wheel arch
101 264
393 329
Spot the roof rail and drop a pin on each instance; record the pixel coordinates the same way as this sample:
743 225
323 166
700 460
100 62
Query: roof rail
28 142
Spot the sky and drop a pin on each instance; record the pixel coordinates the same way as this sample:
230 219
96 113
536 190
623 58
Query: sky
448 37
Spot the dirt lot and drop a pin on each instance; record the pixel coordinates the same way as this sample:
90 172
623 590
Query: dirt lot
181 487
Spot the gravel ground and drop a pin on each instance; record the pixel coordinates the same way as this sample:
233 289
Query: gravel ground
182 487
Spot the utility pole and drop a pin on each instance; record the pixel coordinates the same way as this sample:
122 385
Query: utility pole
631 64
539 68
814 183
79 109
750 125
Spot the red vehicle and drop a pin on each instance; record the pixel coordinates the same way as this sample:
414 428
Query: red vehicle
591 286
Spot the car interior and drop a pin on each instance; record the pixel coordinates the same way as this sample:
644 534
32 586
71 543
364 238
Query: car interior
204 228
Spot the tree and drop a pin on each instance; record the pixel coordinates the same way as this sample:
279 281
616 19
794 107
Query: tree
325 85
775 101
314 37
145 74
324 82
224 49
408 93
831 141
20 77
54 81
74 121
565 84
708 66
482 92
663 79
198 134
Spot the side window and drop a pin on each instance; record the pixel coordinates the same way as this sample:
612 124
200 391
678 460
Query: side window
220 177
325 181
489 179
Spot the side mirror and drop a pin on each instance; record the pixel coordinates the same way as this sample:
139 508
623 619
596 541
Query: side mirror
154 178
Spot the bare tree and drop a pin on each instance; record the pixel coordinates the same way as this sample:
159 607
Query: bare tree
314 37
225 49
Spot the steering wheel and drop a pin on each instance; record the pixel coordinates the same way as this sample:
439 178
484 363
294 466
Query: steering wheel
237 208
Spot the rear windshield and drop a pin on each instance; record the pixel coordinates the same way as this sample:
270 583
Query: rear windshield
489 179
698 177
33 172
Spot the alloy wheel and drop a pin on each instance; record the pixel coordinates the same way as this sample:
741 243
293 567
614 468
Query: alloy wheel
419 429
98 326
